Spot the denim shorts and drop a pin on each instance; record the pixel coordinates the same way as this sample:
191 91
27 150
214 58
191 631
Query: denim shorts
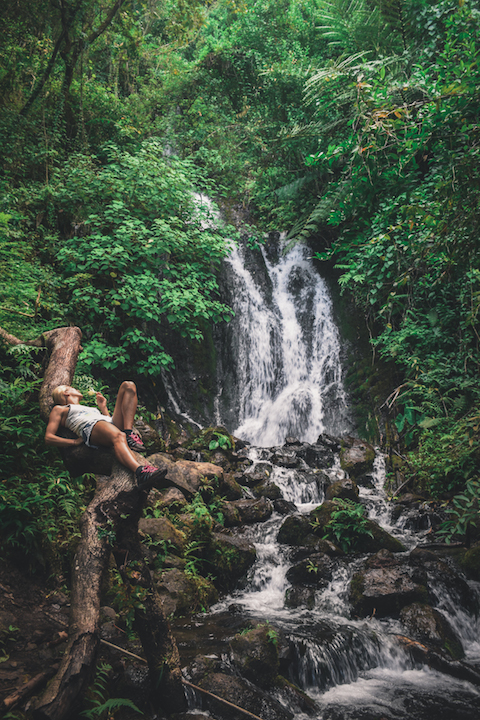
87 431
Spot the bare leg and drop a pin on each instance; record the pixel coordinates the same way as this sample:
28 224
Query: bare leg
125 406
105 433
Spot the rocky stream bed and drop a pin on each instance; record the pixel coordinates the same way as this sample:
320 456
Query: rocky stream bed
268 610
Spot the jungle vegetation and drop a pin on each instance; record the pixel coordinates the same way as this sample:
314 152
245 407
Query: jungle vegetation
351 123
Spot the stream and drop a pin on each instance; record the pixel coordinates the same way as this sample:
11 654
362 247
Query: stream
287 382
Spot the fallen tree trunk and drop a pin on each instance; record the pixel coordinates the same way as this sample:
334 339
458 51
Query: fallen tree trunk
117 506
115 509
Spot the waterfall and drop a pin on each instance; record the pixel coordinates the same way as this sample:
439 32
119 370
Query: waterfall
285 355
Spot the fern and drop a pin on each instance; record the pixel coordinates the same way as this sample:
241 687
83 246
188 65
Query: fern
111 704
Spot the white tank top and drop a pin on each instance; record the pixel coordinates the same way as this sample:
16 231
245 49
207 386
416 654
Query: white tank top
79 416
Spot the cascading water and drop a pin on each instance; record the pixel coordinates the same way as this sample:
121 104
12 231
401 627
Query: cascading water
285 350
282 377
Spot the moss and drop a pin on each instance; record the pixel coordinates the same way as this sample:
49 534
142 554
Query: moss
471 563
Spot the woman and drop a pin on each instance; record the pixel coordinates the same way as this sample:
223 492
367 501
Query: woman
95 426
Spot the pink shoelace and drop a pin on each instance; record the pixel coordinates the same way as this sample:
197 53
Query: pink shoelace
136 438
149 468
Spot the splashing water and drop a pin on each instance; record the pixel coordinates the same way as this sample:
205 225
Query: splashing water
287 352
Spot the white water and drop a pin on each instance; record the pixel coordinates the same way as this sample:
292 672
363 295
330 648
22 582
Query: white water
287 352
359 664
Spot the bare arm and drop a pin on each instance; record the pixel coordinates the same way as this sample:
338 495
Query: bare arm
54 423
102 404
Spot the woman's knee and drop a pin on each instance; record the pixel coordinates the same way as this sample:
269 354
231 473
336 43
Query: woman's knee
128 386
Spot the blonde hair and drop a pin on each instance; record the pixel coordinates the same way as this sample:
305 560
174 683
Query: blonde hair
58 395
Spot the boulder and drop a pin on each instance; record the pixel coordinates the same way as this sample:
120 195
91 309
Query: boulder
286 457
298 596
150 437
178 593
242 693
258 473
384 587
294 530
186 475
430 627
171 498
369 539
284 507
315 570
247 511
267 490
162 529
314 545
345 489
444 577
229 488
471 563
255 655
319 455
357 459
231 557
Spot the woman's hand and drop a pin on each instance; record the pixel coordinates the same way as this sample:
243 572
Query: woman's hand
102 403
78 441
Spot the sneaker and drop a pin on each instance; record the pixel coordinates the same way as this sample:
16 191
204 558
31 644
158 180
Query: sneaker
134 441
148 474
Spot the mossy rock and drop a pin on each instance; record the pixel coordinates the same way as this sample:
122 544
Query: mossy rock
376 539
255 654
231 557
430 627
471 563
294 530
357 459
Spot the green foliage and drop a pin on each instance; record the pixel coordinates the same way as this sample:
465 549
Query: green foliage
347 524
100 707
39 505
220 441
142 261
464 513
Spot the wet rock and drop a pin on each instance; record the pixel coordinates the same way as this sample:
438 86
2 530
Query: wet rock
286 457
316 570
370 537
247 511
298 596
330 441
162 529
258 473
444 578
344 489
471 563
268 490
292 441
294 530
314 545
242 693
366 481
357 459
255 655
232 557
284 507
430 627
316 456
384 587
229 488
296 699
203 665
